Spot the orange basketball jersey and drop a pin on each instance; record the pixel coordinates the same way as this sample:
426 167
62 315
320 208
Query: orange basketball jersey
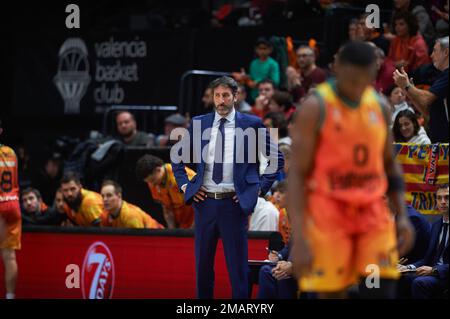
349 158
9 185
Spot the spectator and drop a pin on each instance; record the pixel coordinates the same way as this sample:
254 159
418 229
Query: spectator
385 68
290 129
261 68
441 24
83 207
24 169
408 48
266 89
275 120
408 130
48 178
122 214
128 133
164 189
264 217
310 74
285 149
425 25
352 29
170 123
430 278
277 281
281 102
434 100
34 209
279 200
241 103
423 231
208 100
58 209
36 212
397 101
364 33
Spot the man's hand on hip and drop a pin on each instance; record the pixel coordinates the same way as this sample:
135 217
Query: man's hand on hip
200 195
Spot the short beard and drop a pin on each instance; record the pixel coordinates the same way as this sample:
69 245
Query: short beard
75 204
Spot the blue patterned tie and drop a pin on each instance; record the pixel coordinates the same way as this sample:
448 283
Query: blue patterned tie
217 175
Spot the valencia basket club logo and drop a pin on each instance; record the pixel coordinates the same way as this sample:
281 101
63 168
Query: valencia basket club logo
73 78
98 274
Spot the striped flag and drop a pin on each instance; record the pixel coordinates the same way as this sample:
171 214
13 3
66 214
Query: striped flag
424 167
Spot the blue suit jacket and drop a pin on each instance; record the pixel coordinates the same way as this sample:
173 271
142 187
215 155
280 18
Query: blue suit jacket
247 181
429 259
423 232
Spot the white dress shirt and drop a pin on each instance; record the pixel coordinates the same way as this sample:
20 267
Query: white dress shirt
265 216
227 184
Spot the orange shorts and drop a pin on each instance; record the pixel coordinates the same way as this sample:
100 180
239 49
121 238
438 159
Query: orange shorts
348 243
10 225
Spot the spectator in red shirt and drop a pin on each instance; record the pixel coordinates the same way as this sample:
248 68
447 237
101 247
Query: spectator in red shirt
310 74
408 48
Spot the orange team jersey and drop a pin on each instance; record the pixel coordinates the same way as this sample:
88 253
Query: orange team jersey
349 158
346 221
90 210
10 216
9 185
131 216
284 226
170 197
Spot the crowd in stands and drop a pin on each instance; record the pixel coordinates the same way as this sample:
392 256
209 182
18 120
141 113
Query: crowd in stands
414 45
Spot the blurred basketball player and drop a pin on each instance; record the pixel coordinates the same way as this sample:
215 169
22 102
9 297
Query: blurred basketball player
10 217
342 229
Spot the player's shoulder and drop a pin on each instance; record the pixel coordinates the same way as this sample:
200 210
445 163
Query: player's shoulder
6 150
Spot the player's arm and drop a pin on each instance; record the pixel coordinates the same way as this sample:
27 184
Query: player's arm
93 214
395 190
304 138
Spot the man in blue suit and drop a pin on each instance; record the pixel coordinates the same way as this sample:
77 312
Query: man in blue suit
431 273
276 281
225 190
422 228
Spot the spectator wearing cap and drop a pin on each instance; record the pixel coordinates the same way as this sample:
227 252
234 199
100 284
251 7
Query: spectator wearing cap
261 68
170 123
